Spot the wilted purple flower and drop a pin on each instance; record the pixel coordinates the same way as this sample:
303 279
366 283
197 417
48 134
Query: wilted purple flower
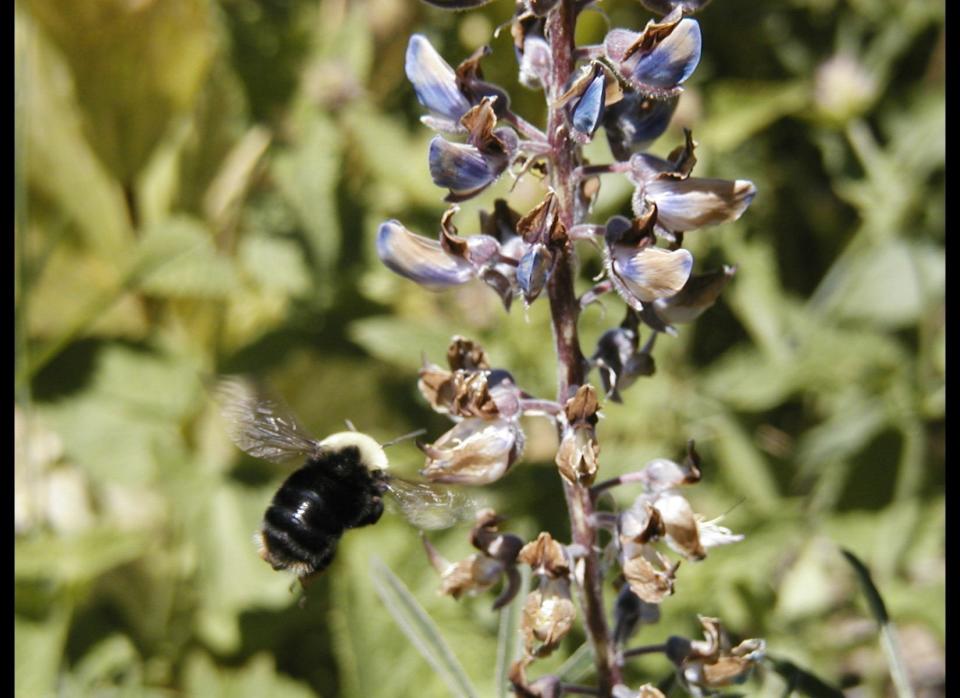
474 452
682 202
435 84
660 58
636 121
617 358
697 295
421 259
641 273
466 169
711 663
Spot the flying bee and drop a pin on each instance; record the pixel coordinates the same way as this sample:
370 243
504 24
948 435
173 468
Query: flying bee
343 483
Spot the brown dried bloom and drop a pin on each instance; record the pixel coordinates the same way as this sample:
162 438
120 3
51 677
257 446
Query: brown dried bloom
548 612
577 457
480 571
544 687
711 663
645 691
474 452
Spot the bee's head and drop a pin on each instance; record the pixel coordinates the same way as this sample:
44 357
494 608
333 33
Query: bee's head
371 452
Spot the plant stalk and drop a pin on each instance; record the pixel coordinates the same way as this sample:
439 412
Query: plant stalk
564 310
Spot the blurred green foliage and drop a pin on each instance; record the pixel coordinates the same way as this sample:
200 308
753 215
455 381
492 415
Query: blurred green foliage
197 189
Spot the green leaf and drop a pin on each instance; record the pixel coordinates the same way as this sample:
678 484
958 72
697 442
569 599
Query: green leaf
743 109
307 177
79 558
802 681
178 260
420 629
577 665
399 341
135 67
257 678
56 157
888 285
37 652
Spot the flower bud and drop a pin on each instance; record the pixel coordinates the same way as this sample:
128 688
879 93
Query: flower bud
533 272
548 615
577 456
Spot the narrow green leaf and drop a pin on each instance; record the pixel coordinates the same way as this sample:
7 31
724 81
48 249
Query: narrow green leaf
577 665
420 629
888 636
802 681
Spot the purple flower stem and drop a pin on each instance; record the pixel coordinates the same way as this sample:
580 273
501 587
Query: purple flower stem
564 311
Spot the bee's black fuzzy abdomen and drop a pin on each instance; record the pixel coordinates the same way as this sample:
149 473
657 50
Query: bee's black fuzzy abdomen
313 508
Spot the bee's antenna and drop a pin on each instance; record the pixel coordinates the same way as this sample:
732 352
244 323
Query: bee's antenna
411 435
350 425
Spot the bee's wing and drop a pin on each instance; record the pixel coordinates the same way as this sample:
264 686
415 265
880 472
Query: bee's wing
429 506
261 424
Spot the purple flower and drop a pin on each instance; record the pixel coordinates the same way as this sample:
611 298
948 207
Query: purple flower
660 58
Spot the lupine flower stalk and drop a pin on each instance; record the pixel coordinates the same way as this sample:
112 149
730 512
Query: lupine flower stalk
627 87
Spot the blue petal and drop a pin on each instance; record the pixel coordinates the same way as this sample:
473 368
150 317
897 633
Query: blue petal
420 259
636 121
534 271
671 61
459 167
589 109
434 81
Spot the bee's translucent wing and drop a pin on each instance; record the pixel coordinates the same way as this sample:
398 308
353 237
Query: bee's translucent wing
260 424
429 506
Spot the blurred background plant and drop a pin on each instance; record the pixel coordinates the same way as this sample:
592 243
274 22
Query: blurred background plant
198 186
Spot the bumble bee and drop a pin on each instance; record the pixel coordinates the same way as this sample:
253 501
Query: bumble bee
341 485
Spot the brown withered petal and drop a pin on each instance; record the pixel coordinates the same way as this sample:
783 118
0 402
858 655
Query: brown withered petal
466 354
474 452
459 393
501 223
578 455
641 523
711 663
473 575
645 691
548 615
583 406
699 293
652 582
680 524
533 225
545 556
545 687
